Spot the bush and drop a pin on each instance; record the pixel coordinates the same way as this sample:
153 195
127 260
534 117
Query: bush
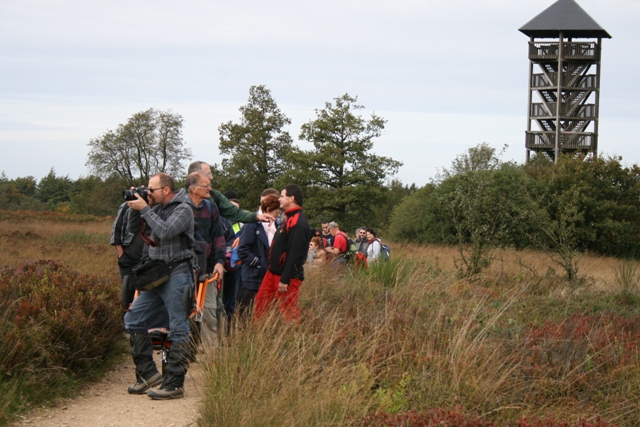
443 418
56 326
435 417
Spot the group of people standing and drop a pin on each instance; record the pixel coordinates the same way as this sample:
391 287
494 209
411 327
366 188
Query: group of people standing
165 226
272 246
331 244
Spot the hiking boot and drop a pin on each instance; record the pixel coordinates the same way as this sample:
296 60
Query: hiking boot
166 393
143 385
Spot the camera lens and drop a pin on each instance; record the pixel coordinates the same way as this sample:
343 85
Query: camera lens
128 195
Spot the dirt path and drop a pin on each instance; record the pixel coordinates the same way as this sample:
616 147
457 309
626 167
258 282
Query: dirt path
107 403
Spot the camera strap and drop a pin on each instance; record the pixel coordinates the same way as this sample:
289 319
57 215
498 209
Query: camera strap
148 240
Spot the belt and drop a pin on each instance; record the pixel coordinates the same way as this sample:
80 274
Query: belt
174 264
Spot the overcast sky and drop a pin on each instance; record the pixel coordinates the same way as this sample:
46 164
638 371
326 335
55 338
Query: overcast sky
446 75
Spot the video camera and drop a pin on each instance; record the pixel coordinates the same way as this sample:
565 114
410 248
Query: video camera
131 194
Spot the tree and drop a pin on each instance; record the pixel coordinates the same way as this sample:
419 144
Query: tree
20 194
53 189
343 178
91 195
589 204
412 219
258 148
479 158
480 205
150 142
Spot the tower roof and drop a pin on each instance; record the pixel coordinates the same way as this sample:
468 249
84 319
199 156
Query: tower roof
566 16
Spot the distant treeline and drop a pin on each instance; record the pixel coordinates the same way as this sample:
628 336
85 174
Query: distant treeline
574 206
93 195
479 203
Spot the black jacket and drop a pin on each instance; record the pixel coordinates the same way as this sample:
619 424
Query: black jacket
290 245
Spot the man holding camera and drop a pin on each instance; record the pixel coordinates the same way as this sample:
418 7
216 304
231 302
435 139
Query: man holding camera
171 238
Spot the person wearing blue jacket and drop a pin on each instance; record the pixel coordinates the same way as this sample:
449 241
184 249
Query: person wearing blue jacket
253 250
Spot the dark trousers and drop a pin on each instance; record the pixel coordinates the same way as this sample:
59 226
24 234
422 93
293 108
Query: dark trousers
230 291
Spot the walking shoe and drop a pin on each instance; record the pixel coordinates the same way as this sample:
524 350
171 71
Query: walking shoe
166 393
143 385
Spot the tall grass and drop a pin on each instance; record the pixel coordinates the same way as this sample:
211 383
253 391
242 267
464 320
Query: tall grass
627 277
407 338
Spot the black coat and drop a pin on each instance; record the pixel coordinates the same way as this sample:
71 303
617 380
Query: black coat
253 250
290 245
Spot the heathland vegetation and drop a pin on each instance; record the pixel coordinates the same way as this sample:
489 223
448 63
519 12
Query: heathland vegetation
410 342
60 321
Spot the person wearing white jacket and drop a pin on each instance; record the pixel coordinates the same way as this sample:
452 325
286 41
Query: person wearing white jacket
373 249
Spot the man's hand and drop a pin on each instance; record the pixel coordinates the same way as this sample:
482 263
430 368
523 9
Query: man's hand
119 250
219 268
282 287
265 218
137 204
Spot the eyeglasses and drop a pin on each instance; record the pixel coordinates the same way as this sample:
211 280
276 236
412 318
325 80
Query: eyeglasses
202 185
151 190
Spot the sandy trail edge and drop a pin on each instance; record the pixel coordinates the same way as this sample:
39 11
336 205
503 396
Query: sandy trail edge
107 403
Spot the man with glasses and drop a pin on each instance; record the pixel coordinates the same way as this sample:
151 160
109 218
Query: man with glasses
361 240
208 229
170 240
227 209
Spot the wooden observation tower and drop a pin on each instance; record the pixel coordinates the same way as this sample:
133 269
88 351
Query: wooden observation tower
564 73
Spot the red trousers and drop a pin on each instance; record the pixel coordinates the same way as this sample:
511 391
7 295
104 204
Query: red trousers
287 301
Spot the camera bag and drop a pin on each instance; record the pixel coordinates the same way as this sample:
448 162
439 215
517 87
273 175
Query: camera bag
150 273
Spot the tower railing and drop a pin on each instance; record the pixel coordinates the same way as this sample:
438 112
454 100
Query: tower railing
571 50
569 141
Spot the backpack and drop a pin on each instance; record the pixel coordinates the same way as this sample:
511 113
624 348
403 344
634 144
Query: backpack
352 248
235 260
385 251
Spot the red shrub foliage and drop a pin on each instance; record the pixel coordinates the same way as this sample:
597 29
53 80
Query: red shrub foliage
54 319
427 418
449 418
584 343
550 422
